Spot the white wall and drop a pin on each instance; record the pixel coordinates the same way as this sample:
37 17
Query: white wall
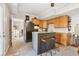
1 30
74 21
6 18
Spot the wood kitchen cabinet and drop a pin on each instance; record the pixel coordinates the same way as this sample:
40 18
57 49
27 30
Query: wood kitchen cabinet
57 37
61 22
41 24
35 21
62 38
66 39
50 21
56 22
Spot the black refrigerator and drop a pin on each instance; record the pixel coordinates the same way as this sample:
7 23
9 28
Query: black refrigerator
28 27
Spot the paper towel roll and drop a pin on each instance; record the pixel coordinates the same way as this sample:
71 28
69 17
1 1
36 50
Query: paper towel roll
50 28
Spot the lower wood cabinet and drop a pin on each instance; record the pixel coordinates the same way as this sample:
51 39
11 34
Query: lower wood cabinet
63 38
57 37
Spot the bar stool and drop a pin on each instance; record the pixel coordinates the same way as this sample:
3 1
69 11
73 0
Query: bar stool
44 41
48 42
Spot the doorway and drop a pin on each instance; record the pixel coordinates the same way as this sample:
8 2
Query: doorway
16 34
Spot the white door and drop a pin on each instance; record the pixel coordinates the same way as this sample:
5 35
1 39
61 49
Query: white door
4 29
1 30
6 36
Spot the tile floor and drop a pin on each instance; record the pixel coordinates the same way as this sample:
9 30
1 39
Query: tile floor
20 48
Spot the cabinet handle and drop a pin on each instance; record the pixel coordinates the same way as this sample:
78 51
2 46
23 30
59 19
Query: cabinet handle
3 34
0 35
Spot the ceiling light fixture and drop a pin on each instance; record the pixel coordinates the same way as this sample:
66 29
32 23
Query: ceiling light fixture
52 4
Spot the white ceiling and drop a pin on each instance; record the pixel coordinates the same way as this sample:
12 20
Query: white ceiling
33 8
37 9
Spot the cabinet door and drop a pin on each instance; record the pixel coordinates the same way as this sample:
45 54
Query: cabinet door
64 39
51 21
58 36
63 21
35 21
56 23
41 24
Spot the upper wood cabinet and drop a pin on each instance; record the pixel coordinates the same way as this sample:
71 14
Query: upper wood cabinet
51 21
41 24
56 22
35 21
63 21
45 25
59 22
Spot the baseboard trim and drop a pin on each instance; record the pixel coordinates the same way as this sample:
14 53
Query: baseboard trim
6 51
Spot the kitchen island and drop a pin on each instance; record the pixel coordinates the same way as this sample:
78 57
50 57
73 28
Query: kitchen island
59 37
39 46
